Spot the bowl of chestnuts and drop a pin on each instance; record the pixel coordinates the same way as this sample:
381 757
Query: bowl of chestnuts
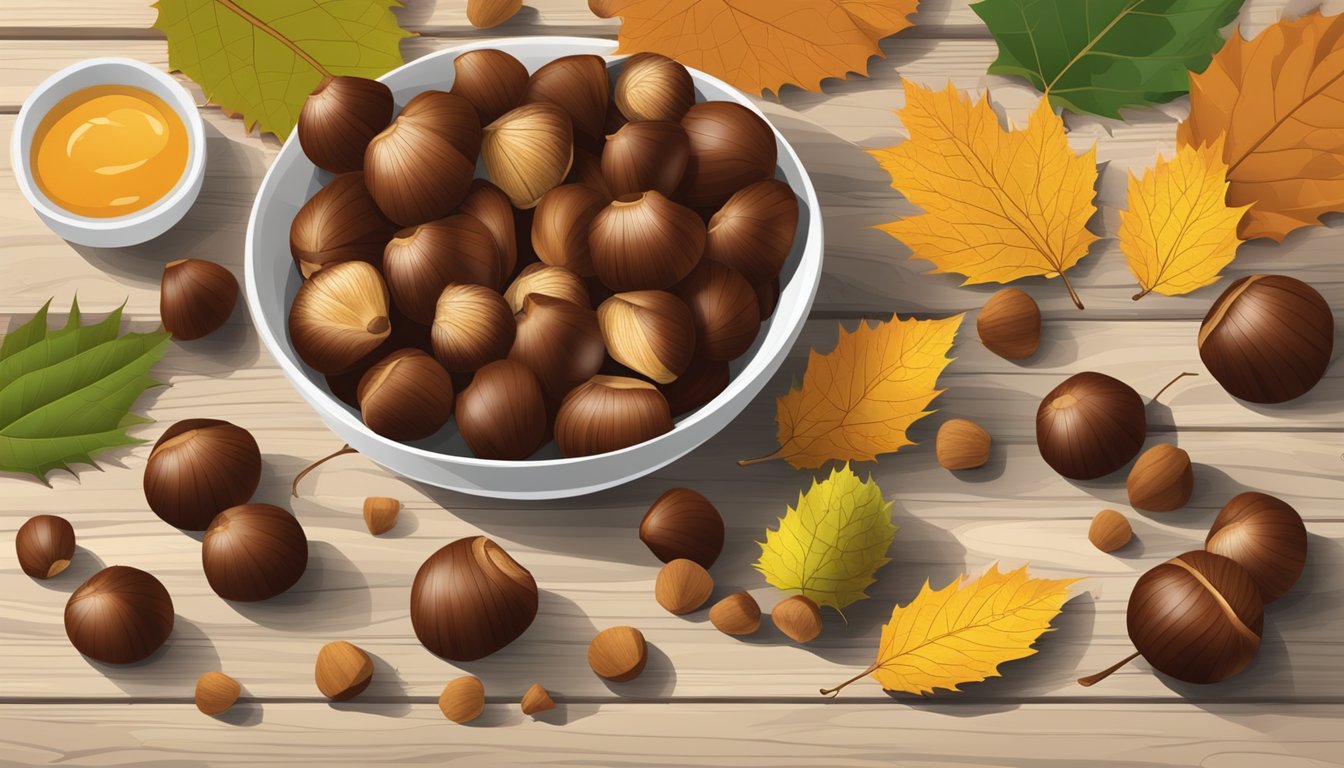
528 269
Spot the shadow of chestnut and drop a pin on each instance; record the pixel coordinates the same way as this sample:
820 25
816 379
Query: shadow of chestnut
655 682
171 671
245 713
331 595
83 565
557 639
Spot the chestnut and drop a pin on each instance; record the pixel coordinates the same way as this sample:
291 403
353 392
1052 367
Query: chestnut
1009 325
339 223
121 615
608 413
196 297
404 334
643 156
587 170
645 241
1265 536
492 80
652 332
701 382
197 469
490 206
1090 426
618 654
731 147
1161 480
407 396
753 232
559 341
339 316
502 412
339 118
472 326
415 173
470 599
45 544
682 524
561 223
448 115
653 87
1268 338
723 306
463 698
421 261
577 84
544 279
253 552
528 151
682 587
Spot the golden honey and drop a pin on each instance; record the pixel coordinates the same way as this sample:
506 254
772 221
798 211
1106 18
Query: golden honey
109 150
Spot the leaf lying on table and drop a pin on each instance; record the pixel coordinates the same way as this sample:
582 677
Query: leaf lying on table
857 400
260 59
999 205
829 547
962 633
1279 101
1179 232
66 395
761 45
1100 55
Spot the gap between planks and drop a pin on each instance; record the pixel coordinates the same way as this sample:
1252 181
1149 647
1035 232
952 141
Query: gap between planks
937 701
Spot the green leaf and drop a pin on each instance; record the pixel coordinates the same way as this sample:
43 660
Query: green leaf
65 396
261 58
1100 55
830 546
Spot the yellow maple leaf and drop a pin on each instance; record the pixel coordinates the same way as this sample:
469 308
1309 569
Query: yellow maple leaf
1179 232
858 400
962 633
760 45
998 205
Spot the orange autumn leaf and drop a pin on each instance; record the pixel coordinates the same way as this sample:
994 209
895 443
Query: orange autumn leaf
761 45
1279 101
998 205
858 400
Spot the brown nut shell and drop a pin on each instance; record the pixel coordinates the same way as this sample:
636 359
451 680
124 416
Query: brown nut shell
407 396
753 232
682 586
653 87
253 552
121 615
1109 531
342 671
339 223
736 614
380 514
1266 537
645 155
528 151
546 280
651 332
470 599
731 147
451 116
502 412
197 469
646 241
415 173
421 261
723 305
339 316
577 84
196 297
1161 480
561 223
339 118
618 654
798 618
404 334
1090 426
1009 324
559 341
492 80
962 444
473 325
587 169
45 544
490 206
463 699
216 692
701 382
536 699
608 413
681 523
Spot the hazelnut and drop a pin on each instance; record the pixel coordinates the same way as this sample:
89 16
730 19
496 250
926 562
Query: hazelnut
1161 480
701 382
1090 426
536 699
407 396
380 514
618 654
415 173
197 469
723 305
753 232
561 224
1268 338
1109 531
343 670
1266 537
645 155
338 316
121 615
578 85
652 332
339 223
559 341
683 524
1010 324
45 544
653 87
463 699
608 413
797 617
646 241
470 599
472 326
962 444
544 279
216 692
253 552
339 118
449 115
484 14
421 261
731 147
528 151
492 80
736 614
502 412
196 297
490 206
682 586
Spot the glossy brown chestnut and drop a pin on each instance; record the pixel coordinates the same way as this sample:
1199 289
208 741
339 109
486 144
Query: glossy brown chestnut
492 80
45 544
653 87
490 206
559 341
652 332
340 223
449 115
731 147
645 241
339 315
405 334
473 325
1090 426
470 599
421 261
502 413
577 84
608 413
339 118
701 382
198 468
645 155
415 173
1268 338
561 223
407 396
587 169
196 297
253 552
753 232
683 524
1265 536
121 615
723 305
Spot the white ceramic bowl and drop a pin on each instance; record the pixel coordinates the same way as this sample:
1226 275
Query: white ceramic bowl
134 228
443 459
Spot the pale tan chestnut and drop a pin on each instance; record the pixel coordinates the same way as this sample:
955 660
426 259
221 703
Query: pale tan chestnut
645 155
644 241
560 342
340 223
492 80
753 232
463 699
473 325
484 14
577 84
339 315
654 87
724 307
528 150
421 261
1109 531
608 413
406 396
416 174
451 116
547 280
492 208
502 412
561 224
962 444
651 332
731 147
339 118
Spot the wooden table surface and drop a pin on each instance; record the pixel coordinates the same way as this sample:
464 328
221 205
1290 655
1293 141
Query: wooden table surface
706 698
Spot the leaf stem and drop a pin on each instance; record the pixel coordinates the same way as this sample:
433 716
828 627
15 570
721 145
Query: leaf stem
294 486
1173 381
1077 302
833 692
275 33
1141 294
1091 680
759 459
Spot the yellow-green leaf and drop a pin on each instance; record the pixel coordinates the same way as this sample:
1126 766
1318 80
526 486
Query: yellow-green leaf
829 547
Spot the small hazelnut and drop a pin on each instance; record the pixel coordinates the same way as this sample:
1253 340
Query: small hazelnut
121 615
197 469
380 514
1161 480
683 524
339 315
682 586
536 699
339 118
406 396
253 552
962 444
797 617
618 654
644 240
736 614
216 692
492 80
1009 324
723 305
1109 531
196 297
653 87
342 671
45 544
608 413
651 332
502 413
463 699
528 151
472 326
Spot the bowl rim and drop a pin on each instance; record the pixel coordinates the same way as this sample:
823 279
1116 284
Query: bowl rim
170 91
809 271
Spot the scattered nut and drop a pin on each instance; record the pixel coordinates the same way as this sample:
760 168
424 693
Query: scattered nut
1010 324
198 468
196 297
380 514
536 699
736 614
682 586
1090 425
1161 480
470 599
45 544
618 654
1109 531
120 615
216 692
463 699
962 444
797 617
683 524
1266 537
484 14
253 552
343 670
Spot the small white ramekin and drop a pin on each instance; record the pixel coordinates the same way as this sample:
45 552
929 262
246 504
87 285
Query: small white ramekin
134 228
